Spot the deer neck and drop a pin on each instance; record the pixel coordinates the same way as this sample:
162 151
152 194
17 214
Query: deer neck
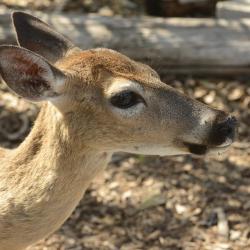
52 147
47 177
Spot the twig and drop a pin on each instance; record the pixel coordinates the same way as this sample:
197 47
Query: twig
223 227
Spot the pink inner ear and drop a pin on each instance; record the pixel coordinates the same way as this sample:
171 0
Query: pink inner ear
27 64
27 74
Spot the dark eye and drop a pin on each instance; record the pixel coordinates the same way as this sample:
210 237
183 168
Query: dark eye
125 99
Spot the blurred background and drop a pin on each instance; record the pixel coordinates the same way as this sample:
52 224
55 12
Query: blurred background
202 48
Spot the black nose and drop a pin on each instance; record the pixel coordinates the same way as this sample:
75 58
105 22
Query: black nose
224 129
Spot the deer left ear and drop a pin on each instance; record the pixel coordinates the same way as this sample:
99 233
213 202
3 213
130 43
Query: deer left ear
37 36
29 75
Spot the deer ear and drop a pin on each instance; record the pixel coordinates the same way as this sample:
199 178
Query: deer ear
37 36
29 75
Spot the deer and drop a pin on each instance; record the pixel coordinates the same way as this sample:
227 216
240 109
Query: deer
93 103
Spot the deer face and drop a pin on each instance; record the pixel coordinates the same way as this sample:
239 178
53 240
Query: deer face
133 111
110 102
159 120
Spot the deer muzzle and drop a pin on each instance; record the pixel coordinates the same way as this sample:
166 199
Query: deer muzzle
221 136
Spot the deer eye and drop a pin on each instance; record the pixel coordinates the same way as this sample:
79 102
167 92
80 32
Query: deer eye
125 99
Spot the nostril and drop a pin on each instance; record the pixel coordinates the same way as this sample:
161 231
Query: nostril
223 130
229 124
232 121
227 127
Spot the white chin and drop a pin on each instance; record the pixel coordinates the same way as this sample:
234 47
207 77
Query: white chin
154 150
218 150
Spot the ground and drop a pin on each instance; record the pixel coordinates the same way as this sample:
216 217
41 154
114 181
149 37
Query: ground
169 203
103 7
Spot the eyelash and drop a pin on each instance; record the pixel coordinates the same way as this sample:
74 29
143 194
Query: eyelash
126 99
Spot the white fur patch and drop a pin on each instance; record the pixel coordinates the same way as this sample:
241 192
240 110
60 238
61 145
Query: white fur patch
130 112
207 116
154 150
122 84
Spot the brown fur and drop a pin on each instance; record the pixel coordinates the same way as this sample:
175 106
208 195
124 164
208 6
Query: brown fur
89 62
42 181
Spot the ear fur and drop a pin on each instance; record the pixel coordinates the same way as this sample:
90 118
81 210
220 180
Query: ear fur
29 75
39 37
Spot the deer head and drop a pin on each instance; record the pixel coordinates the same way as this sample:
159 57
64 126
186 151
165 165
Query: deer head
108 101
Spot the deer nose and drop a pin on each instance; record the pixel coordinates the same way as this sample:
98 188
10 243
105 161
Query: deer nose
224 130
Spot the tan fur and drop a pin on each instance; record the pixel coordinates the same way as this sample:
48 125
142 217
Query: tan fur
42 181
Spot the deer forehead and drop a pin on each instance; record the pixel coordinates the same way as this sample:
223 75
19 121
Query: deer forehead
88 63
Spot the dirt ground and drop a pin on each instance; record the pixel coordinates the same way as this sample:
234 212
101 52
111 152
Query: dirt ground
169 203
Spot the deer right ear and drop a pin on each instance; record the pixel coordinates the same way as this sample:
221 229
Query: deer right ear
30 75
35 35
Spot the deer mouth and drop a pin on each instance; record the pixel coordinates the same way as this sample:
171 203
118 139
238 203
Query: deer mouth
202 149
197 149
